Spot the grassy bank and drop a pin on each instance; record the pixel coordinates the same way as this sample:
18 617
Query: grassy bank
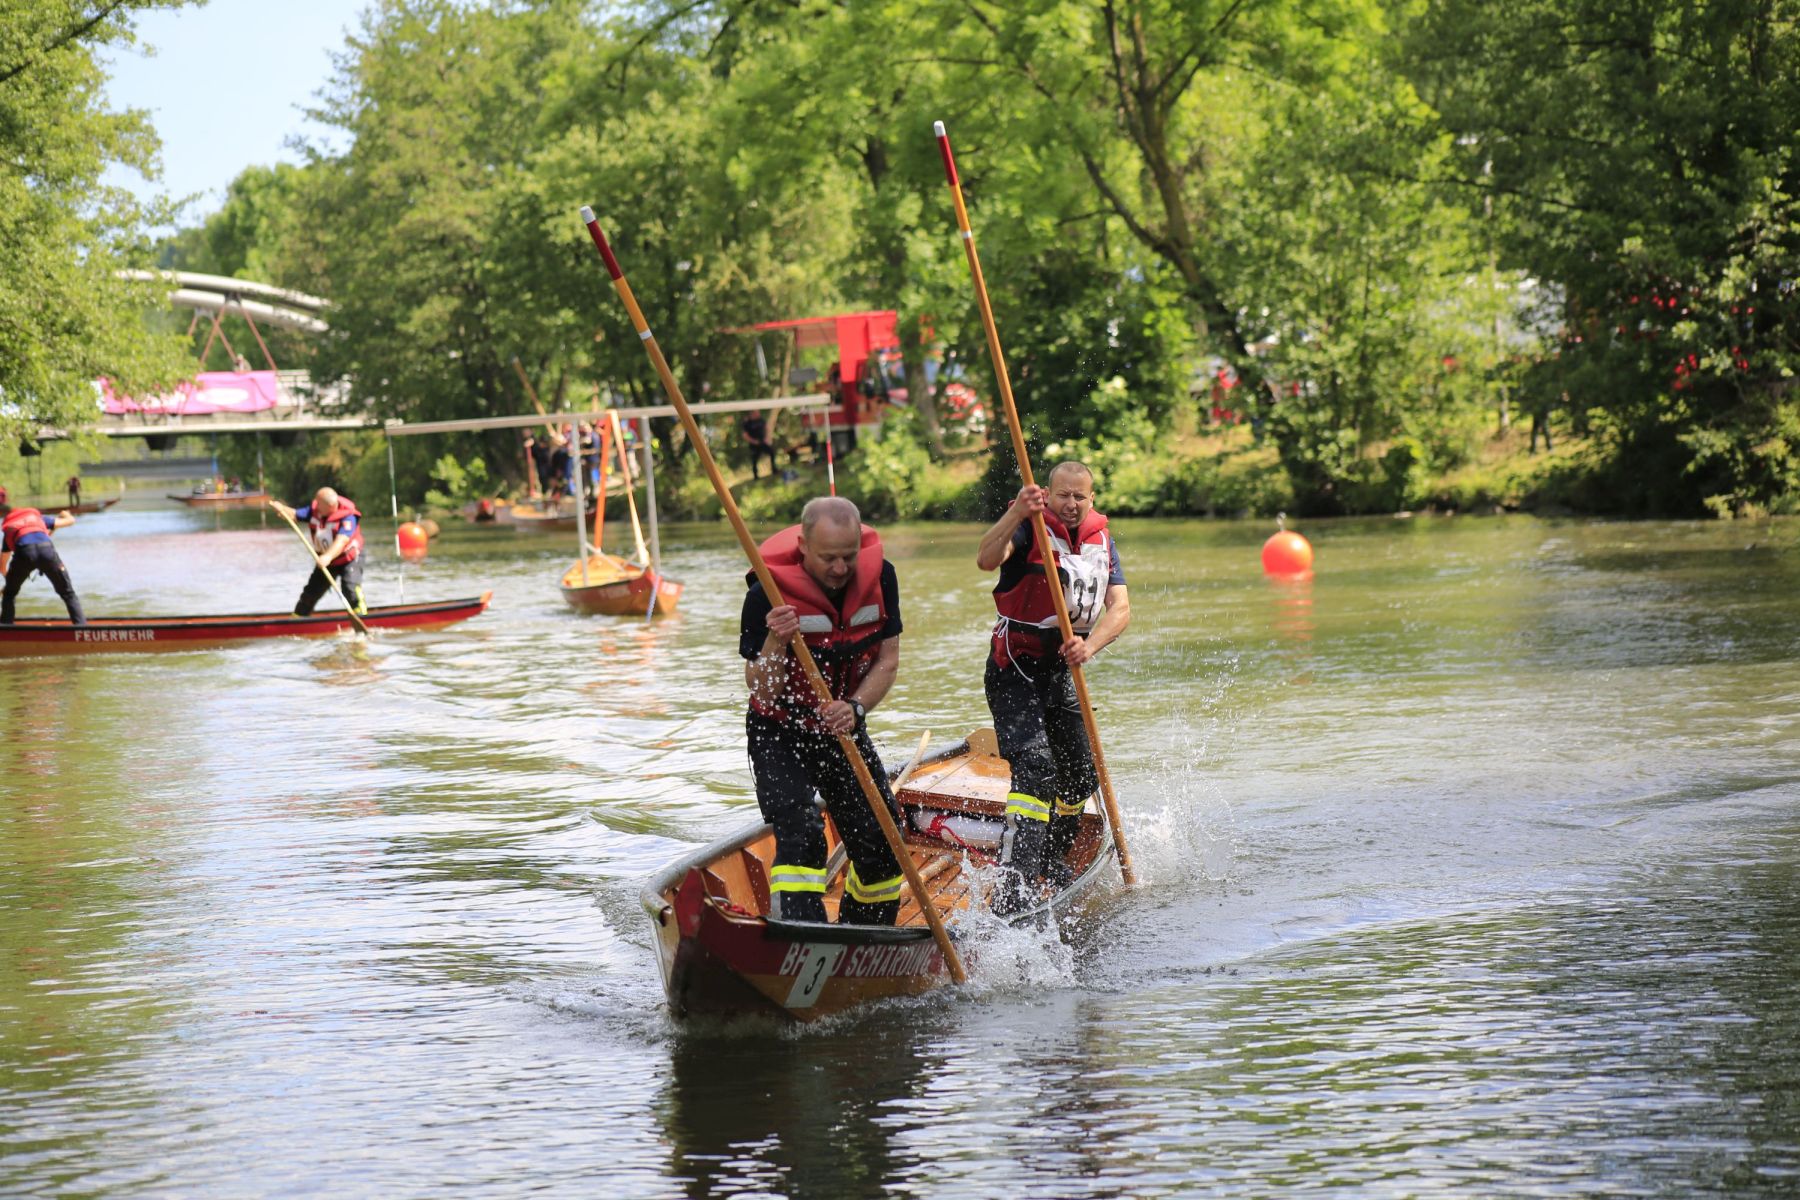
1204 471
1212 472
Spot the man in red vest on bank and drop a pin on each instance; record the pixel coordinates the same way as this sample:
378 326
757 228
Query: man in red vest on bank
337 538
1030 690
25 547
841 596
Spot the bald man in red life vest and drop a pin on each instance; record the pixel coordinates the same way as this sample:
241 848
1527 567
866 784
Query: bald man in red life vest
25 547
1030 689
337 538
841 596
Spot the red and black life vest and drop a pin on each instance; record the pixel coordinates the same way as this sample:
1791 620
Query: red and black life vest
325 530
845 638
18 523
1028 625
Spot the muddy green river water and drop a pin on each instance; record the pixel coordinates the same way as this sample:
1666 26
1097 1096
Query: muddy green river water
1471 868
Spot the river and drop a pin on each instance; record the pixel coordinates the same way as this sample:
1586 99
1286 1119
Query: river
1470 868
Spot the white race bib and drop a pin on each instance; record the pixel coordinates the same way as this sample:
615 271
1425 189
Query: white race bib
1084 578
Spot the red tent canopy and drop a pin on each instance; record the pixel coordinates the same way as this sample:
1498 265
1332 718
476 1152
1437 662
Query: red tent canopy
854 335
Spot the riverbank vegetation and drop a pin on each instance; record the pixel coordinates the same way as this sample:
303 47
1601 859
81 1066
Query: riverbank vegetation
1320 256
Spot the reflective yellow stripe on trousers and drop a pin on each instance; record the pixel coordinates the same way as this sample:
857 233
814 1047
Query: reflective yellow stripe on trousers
784 877
873 893
1018 803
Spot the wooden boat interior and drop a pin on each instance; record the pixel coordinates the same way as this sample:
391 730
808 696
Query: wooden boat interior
954 805
602 569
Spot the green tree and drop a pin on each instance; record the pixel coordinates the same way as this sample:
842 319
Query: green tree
66 319
1278 166
257 234
447 235
1641 160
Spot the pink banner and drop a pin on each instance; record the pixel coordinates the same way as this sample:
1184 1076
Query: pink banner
207 392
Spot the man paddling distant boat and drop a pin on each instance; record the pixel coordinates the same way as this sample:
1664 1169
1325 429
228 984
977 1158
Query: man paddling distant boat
1030 690
844 599
337 538
25 547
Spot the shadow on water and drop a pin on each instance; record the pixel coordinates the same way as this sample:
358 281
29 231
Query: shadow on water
772 1111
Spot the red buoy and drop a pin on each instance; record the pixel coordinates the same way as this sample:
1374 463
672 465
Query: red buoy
1287 553
412 540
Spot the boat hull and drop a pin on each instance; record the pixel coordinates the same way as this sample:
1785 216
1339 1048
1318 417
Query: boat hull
221 499
618 588
720 953
107 635
531 517
84 508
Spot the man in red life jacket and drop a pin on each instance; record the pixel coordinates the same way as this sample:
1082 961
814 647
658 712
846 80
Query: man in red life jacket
842 596
1030 690
338 540
25 547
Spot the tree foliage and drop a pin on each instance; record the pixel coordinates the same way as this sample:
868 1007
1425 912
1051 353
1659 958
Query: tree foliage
1391 220
1641 158
66 318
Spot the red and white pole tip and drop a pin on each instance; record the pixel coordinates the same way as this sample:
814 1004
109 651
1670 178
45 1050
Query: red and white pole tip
599 236
943 141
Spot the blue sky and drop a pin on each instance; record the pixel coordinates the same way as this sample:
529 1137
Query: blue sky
225 86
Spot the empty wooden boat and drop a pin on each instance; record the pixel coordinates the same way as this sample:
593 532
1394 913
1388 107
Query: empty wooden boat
221 499
618 587
557 518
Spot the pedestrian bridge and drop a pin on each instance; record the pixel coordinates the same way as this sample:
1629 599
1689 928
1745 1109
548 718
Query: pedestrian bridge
246 400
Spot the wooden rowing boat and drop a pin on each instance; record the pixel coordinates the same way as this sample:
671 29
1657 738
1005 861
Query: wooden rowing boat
82 509
556 519
107 634
221 499
483 511
721 953
618 587
610 584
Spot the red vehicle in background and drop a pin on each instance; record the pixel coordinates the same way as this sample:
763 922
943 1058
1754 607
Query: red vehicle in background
957 403
867 374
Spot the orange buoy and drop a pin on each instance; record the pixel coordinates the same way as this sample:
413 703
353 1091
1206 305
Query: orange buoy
1287 553
412 540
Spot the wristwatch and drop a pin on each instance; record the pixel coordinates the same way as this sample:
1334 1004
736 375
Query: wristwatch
862 714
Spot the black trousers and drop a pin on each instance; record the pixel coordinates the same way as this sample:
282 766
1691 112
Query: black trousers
757 450
789 764
349 577
42 558
1037 721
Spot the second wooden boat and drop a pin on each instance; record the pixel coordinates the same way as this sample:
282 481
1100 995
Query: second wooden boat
221 499
618 587
82 509
30 636
609 584
722 953
557 518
